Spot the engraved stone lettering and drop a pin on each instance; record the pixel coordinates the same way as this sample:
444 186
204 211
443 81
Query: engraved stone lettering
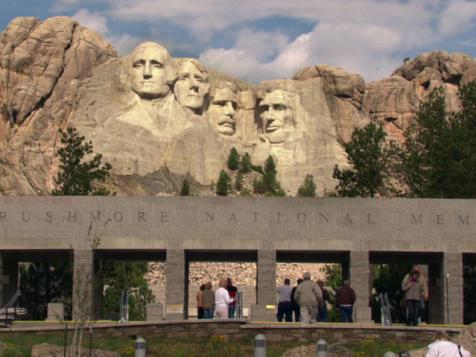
369 219
95 216
439 219
323 217
301 217
140 216
49 217
417 220
347 219
232 218
25 216
463 220
164 216
256 214
118 216
211 216
72 215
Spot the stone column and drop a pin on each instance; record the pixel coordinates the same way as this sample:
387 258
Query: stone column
264 310
175 285
83 284
453 301
359 274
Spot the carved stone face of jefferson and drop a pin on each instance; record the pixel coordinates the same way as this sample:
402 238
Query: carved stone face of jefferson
222 111
192 85
152 72
277 116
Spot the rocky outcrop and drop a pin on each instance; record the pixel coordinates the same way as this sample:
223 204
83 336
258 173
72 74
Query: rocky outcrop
55 73
41 66
394 101
344 94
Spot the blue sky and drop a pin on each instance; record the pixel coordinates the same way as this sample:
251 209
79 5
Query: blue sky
257 40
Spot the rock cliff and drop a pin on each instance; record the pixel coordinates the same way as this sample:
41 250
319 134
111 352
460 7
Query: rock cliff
158 119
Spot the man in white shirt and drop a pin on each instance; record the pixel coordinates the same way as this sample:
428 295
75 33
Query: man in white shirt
443 347
222 300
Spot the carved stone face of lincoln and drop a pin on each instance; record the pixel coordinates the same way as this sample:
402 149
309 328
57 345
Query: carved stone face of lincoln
277 116
222 111
192 85
151 73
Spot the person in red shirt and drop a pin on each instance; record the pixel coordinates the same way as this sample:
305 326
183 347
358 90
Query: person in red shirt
232 291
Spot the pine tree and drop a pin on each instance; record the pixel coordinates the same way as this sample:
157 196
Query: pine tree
438 157
239 182
233 162
370 159
308 188
77 176
269 184
245 164
185 189
223 184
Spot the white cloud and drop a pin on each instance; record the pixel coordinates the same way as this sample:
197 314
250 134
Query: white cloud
63 5
459 15
364 36
124 44
94 21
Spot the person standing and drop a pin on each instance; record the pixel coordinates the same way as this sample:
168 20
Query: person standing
222 300
414 289
208 299
199 298
322 315
284 302
309 297
232 291
294 305
345 299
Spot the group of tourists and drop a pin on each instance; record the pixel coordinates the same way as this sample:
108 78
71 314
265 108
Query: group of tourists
308 301
221 302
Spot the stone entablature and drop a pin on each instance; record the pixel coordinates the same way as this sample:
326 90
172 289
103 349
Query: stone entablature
425 225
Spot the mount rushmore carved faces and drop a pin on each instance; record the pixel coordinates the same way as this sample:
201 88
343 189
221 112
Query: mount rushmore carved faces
222 110
152 72
277 116
192 85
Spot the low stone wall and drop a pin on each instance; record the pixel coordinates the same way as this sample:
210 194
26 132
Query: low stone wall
243 329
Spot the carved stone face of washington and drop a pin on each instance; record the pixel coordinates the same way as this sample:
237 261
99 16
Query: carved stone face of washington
151 72
277 116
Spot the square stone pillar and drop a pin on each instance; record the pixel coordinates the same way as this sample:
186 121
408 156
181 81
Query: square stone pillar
359 276
453 300
265 308
175 285
83 284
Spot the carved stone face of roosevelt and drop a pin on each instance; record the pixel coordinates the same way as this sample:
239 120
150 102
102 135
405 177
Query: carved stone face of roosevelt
277 116
150 73
191 86
222 111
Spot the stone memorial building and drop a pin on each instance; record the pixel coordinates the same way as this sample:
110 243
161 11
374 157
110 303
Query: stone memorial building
356 233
